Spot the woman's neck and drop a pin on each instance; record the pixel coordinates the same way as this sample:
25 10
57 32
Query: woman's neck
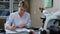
21 15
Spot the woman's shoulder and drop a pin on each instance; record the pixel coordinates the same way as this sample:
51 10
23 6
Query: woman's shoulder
13 14
27 13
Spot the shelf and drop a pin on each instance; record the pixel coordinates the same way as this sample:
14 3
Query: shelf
16 2
5 6
3 17
5 9
14 9
5 1
9 1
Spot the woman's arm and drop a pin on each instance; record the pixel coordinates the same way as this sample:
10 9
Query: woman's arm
28 21
9 22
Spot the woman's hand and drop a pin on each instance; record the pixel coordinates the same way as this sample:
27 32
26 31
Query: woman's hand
11 27
22 26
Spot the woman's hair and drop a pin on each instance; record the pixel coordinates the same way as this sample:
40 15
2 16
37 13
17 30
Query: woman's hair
24 4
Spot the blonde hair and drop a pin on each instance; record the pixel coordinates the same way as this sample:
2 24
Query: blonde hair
24 4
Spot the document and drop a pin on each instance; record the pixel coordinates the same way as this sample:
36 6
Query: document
18 30
22 30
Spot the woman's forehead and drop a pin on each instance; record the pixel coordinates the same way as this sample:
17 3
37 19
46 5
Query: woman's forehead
20 4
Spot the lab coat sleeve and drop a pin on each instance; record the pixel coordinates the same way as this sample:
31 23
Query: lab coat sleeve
29 21
9 20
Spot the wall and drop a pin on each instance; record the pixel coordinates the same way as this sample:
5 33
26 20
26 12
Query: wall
56 6
35 12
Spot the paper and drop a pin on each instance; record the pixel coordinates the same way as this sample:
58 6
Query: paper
9 31
18 30
22 30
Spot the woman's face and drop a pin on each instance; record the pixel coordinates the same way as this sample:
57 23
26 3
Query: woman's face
21 9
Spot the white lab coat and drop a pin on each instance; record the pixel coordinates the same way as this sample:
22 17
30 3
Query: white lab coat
15 19
55 15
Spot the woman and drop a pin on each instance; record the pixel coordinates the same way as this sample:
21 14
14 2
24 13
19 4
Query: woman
19 19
